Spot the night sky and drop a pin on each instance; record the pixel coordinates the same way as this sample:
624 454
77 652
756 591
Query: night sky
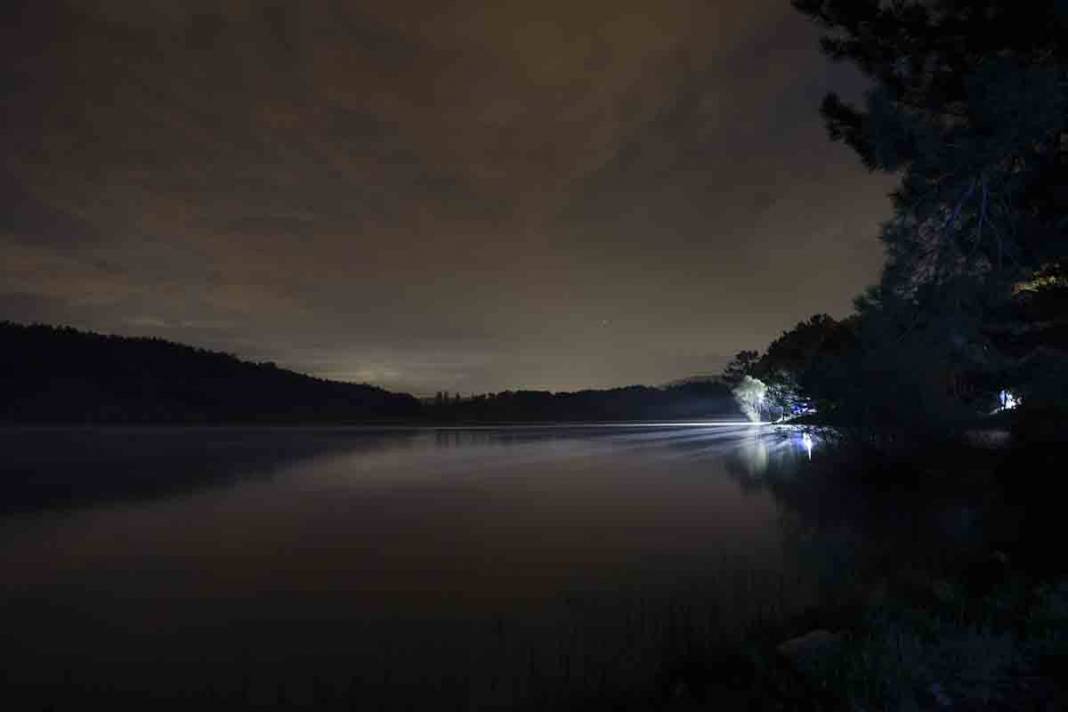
430 195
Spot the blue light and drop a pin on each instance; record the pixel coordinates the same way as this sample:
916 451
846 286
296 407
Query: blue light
1007 400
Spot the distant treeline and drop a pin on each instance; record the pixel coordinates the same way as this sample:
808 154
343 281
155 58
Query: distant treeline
62 375
687 400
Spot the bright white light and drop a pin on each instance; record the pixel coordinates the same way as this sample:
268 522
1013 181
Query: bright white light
808 444
1007 400
750 395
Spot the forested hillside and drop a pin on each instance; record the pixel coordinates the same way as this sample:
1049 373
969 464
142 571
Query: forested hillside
60 375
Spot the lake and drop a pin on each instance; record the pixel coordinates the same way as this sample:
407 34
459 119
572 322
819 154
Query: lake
481 568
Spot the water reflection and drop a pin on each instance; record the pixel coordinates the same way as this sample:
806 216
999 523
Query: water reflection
65 468
753 453
462 552
764 450
849 520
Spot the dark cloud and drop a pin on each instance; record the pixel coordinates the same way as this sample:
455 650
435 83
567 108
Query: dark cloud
466 195
25 216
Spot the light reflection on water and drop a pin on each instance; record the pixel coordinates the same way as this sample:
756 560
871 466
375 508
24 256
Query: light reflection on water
287 540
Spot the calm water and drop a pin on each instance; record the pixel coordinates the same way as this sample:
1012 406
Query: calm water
477 563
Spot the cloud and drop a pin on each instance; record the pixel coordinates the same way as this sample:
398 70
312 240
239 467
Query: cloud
479 179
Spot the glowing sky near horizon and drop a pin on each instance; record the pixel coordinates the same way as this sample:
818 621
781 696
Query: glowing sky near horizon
468 196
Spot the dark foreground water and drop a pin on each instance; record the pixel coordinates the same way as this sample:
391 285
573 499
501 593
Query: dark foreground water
470 568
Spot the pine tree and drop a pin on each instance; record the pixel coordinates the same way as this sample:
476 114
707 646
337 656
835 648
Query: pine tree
969 105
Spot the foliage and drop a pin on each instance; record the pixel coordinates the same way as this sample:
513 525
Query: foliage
60 375
691 399
750 394
799 368
741 365
935 575
955 651
970 108
797 364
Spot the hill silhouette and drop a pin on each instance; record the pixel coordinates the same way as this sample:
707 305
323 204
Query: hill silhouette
62 375
54 375
691 399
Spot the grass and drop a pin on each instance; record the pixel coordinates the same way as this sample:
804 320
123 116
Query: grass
1004 650
623 649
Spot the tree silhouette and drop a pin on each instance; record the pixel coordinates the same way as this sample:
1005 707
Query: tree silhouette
63 375
970 108
740 366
